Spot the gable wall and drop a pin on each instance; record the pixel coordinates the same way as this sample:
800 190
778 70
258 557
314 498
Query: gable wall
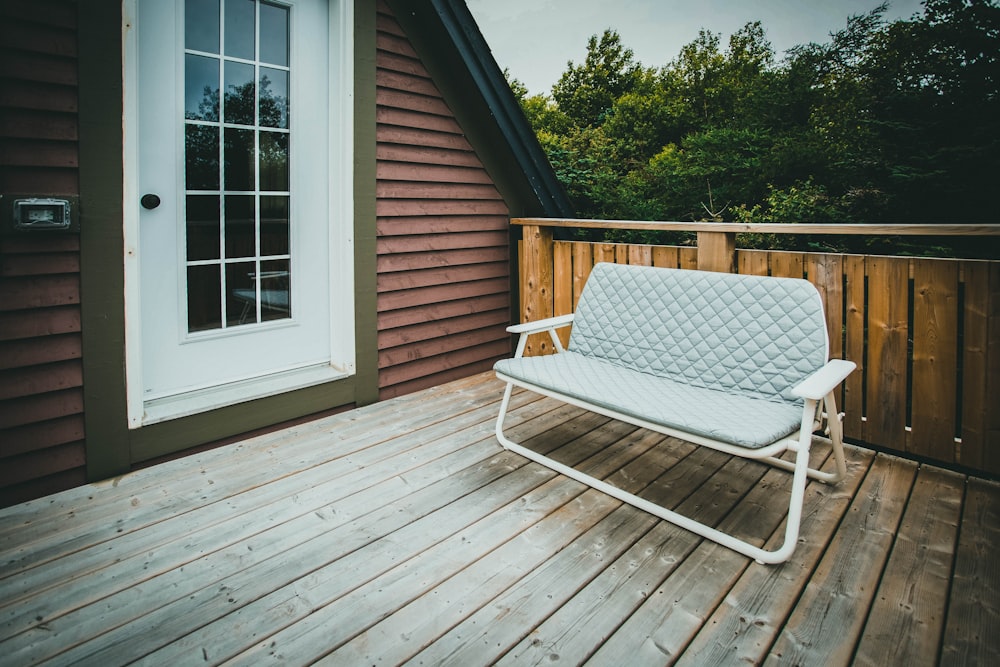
41 376
443 269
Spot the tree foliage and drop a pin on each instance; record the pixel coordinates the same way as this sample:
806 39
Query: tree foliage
888 122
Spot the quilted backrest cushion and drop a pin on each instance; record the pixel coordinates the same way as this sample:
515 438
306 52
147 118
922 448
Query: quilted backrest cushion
751 334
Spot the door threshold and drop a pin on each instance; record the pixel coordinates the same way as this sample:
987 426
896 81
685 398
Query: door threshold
175 406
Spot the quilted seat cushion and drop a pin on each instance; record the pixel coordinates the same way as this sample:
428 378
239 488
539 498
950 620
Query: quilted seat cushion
738 419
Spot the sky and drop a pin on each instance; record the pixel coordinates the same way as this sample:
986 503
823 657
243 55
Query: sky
534 39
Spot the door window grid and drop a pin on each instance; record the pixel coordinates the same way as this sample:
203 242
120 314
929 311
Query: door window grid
236 146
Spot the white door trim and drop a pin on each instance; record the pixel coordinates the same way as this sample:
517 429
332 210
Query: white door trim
340 256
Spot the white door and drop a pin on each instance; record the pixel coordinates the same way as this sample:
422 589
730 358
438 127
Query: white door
234 179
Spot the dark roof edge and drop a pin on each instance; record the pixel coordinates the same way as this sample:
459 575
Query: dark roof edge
464 32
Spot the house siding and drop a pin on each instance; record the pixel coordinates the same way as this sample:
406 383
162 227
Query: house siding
41 374
442 232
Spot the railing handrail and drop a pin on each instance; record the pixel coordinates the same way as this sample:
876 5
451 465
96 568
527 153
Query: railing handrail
854 229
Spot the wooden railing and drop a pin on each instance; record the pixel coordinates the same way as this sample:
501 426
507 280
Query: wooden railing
924 332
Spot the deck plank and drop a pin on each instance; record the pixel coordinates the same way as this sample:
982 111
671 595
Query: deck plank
553 641
404 532
836 602
398 518
661 628
254 561
107 510
539 522
236 516
424 620
907 620
743 627
972 633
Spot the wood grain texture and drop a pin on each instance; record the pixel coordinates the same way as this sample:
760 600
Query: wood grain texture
973 617
402 532
887 350
837 600
935 359
912 595
443 242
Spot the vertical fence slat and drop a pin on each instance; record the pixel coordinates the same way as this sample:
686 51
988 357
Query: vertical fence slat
605 252
935 358
583 262
888 284
666 256
991 449
787 264
976 278
562 284
536 284
752 262
687 258
826 272
640 254
855 271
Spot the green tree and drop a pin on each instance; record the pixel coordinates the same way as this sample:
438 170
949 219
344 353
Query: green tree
586 92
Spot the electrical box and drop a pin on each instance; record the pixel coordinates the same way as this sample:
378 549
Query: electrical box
26 214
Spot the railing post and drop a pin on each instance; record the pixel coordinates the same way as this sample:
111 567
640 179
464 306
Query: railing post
717 252
537 283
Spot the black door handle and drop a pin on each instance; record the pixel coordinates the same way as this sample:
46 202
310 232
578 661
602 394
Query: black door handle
150 201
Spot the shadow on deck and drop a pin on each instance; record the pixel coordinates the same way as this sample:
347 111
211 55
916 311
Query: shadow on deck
403 532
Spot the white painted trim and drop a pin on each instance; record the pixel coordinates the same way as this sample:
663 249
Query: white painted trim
341 234
210 398
130 211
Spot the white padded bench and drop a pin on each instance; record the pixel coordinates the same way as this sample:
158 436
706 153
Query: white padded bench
732 362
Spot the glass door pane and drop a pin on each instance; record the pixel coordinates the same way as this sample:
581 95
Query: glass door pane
237 126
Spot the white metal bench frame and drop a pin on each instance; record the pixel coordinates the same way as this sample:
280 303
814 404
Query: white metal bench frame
819 412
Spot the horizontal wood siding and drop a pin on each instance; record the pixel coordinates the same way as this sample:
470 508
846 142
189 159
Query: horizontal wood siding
443 270
38 97
41 373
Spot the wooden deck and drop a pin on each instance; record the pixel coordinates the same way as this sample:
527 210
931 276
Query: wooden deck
402 532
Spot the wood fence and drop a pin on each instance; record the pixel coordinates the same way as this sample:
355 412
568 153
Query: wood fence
925 334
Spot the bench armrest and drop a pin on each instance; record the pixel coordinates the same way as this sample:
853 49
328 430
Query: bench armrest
825 380
541 325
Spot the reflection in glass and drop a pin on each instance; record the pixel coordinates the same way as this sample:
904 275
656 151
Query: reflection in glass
240 226
274 161
202 227
273 225
239 240
241 294
275 290
201 25
239 93
273 97
204 297
240 29
201 88
273 34
239 159
201 157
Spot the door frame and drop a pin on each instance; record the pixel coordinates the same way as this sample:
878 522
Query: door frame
340 255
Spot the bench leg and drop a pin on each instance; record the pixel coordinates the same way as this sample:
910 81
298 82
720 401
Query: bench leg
799 479
836 441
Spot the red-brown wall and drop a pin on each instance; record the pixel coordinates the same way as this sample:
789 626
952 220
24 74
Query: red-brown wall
41 376
443 271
